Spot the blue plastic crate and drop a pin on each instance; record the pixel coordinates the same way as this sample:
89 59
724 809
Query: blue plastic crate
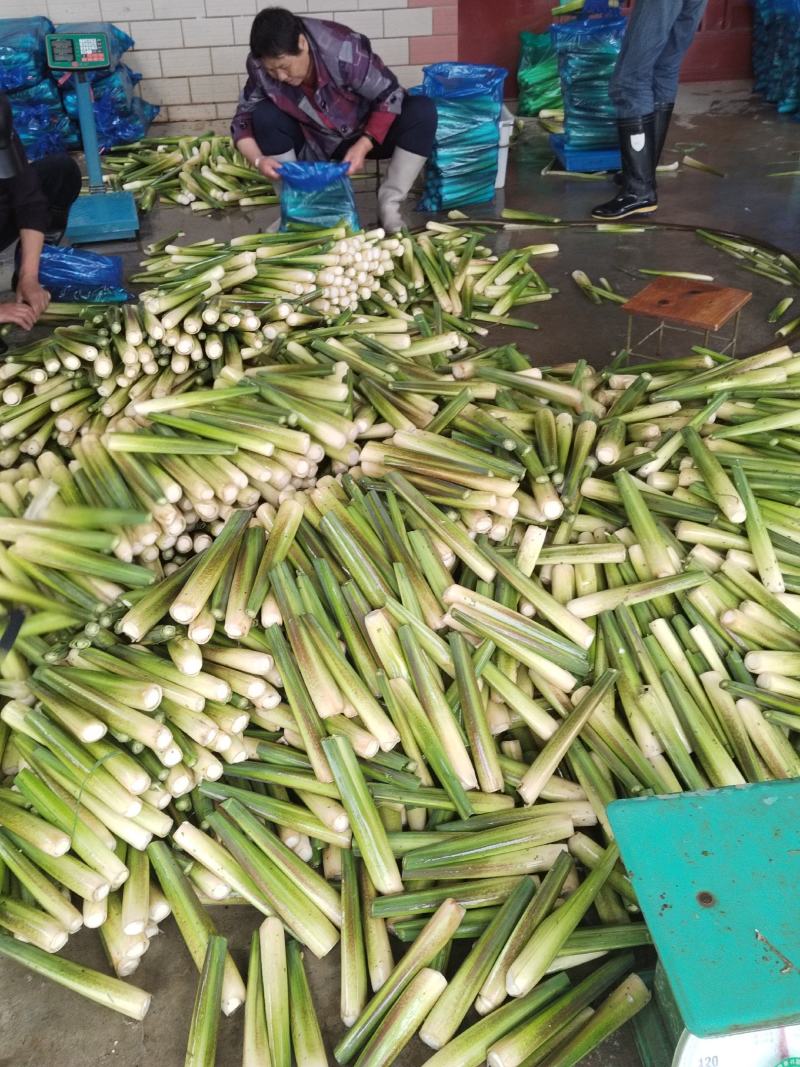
587 160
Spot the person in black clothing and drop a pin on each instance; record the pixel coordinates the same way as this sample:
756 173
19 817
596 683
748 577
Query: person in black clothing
35 199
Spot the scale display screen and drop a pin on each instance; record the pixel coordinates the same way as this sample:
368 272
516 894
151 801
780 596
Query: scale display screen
77 51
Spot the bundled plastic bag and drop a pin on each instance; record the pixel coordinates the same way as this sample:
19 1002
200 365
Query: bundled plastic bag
41 92
463 165
776 53
123 127
117 88
587 51
73 274
23 60
43 128
317 194
118 43
537 77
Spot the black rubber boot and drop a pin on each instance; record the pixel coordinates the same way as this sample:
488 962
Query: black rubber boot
662 116
638 192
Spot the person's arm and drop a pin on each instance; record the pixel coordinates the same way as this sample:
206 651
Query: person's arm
30 210
371 79
29 291
242 125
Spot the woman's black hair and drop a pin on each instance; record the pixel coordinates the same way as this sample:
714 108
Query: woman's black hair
275 32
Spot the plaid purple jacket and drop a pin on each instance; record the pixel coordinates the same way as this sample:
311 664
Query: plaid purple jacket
352 84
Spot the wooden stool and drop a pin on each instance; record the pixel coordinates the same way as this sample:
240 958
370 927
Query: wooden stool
687 306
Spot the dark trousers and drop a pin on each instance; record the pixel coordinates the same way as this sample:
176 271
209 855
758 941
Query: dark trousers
658 35
60 181
413 129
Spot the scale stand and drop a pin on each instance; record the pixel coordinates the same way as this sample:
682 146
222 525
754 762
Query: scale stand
100 215
717 875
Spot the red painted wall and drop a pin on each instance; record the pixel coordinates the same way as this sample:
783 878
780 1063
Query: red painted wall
488 33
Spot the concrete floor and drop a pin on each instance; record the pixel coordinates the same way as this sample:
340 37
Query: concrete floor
723 124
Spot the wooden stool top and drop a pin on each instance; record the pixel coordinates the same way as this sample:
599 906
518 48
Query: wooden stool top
697 305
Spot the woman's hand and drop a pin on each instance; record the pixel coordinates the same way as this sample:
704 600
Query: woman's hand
357 153
30 292
18 314
268 166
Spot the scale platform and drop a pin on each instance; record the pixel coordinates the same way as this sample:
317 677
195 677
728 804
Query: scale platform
102 217
717 875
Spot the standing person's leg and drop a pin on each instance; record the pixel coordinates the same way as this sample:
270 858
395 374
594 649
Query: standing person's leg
408 145
632 91
668 68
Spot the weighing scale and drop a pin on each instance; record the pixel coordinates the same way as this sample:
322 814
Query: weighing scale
717 875
100 215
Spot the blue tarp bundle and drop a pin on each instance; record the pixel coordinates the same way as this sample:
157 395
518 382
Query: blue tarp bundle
44 103
22 53
776 53
463 165
587 50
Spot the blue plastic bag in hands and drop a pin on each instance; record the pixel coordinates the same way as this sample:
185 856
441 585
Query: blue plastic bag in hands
22 51
73 274
317 194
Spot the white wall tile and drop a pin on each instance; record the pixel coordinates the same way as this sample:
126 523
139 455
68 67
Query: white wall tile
126 9
180 62
158 33
343 6
146 63
241 30
168 91
370 23
16 9
175 9
210 88
73 10
392 50
228 60
216 8
408 76
382 4
325 15
198 32
192 112
413 22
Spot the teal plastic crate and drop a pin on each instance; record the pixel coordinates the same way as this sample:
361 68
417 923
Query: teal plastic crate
587 160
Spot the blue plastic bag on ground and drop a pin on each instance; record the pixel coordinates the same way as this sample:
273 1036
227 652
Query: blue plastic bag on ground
41 92
463 165
776 53
120 115
43 128
74 274
118 87
22 51
587 51
317 194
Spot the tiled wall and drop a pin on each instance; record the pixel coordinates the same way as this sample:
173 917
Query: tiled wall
192 52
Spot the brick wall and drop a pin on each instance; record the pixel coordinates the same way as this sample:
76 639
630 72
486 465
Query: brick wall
192 52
